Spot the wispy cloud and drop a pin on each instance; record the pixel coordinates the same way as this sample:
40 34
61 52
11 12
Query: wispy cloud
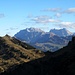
2 15
11 29
54 20
52 9
58 15
41 19
70 10
67 24
44 19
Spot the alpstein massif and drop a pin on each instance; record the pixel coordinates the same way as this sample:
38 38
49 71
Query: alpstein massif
29 34
61 32
45 41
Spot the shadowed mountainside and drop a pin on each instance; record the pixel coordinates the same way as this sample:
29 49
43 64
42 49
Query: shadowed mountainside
14 52
60 62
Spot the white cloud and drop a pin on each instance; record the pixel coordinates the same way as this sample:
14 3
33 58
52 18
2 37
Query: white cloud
52 9
53 20
44 19
58 15
41 19
70 10
67 24
11 29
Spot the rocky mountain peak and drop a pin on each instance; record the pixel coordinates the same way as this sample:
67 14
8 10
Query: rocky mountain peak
33 29
61 32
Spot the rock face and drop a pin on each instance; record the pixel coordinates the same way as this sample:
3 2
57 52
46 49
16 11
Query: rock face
45 41
61 32
29 34
61 62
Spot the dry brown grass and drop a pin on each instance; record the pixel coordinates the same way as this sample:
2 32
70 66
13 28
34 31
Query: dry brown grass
15 54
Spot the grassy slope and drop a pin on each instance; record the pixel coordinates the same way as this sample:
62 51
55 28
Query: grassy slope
13 53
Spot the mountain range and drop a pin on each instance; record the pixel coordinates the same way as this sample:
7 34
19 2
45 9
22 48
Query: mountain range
45 41
61 32
22 59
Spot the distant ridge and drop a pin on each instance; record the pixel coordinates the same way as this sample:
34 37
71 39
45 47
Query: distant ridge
29 34
52 41
61 32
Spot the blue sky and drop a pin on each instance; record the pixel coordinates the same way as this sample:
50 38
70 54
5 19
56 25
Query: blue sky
16 15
